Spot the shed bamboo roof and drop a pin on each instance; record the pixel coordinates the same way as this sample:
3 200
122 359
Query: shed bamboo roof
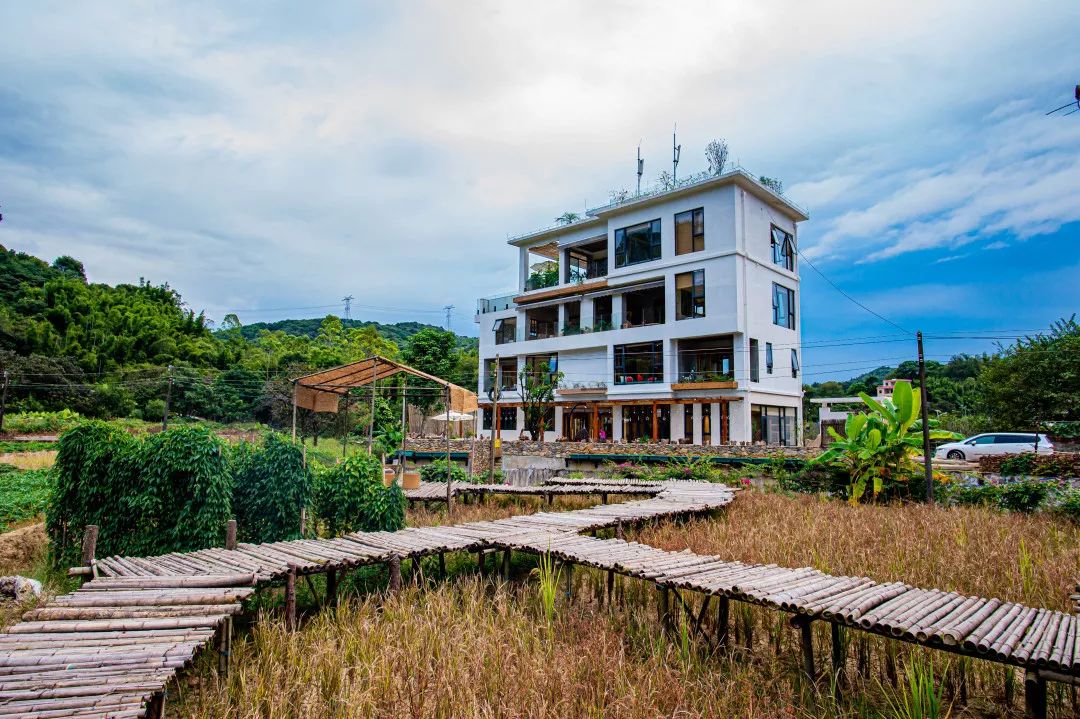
322 391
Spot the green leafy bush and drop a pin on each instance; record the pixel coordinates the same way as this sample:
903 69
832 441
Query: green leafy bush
816 479
1029 464
23 495
183 491
350 497
167 492
154 411
1070 505
270 487
1026 496
436 472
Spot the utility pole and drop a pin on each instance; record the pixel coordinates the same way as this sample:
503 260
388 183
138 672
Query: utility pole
348 306
168 402
640 167
925 410
496 391
449 309
3 400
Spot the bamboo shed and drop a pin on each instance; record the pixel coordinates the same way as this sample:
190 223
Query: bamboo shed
323 392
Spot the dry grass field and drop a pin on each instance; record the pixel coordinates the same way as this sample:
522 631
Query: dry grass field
475 648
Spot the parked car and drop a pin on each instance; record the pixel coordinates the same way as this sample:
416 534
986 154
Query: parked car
994 443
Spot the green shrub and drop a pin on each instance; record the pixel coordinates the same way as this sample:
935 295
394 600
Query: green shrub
436 472
23 495
1026 496
154 411
167 492
1070 505
350 497
1019 464
987 495
88 490
270 487
816 479
186 491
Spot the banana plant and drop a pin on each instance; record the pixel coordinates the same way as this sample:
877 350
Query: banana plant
879 444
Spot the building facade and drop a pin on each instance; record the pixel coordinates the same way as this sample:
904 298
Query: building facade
671 316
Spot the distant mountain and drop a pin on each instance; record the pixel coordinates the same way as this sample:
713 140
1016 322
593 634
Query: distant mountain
879 374
397 332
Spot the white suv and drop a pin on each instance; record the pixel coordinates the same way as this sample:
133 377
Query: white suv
995 443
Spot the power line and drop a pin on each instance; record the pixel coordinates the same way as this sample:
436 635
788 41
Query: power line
849 297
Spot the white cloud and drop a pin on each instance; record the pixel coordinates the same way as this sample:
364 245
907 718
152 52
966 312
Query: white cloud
289 158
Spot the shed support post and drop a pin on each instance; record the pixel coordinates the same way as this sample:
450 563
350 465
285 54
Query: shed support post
371 419
1034 695
618 529
290 599
506 564
294 411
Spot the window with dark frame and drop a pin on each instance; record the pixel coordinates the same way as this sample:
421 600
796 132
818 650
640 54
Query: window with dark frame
639 363
783 306
783 249
508 418
690 231
637 243
794 363
690 295
768 358
755 369
487 418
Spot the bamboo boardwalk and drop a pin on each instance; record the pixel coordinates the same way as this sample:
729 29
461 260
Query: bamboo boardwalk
110 648
436 491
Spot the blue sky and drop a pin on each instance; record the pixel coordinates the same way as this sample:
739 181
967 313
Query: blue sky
262 156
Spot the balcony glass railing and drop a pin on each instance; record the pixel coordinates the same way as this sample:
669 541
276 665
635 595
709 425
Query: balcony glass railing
500 303
542 280
542 330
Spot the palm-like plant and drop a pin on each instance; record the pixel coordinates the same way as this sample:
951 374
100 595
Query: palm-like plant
879 445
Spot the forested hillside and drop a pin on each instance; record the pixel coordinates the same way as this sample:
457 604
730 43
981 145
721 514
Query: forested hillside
398 332
109 351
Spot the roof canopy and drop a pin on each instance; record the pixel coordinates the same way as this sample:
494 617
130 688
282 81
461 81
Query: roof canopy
322 391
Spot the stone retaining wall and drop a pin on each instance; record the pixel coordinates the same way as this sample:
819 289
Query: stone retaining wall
562 450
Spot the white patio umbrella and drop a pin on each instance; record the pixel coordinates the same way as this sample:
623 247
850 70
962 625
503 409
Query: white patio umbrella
455 416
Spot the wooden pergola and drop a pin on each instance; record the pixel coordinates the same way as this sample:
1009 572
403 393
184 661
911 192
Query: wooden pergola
323 391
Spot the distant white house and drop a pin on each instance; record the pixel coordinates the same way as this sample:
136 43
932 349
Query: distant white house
837 409
673 315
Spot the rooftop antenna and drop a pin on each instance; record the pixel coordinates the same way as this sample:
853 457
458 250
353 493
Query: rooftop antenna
1076 101
640 167
449 309
676 150
348 305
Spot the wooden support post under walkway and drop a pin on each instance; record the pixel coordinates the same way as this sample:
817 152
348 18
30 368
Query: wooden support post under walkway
230 534
89 545
1034 695
442 564
290 599
569 581
839 658
806 645
723 612
395 573
330 599
506 564
480 562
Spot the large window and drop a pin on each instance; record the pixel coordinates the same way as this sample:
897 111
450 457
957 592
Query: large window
508 417
783 306
505 330
773 425
690 295
707 359
690 231
639 363
638 243
783 249
755 362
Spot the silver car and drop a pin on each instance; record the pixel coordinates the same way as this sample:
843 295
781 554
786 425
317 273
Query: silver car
995 443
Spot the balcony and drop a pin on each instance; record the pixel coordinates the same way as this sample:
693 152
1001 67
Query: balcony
706 363
499 303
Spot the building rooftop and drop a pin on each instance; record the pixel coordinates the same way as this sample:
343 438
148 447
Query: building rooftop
595 216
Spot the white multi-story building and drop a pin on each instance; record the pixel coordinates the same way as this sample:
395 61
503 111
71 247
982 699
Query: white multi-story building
672 315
